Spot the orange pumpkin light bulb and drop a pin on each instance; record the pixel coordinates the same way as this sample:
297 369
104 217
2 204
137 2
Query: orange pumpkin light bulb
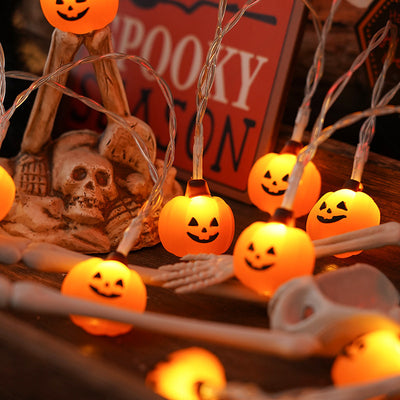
107 282
7 190
79 16
179 378
196 222
345 210
267 254
370 357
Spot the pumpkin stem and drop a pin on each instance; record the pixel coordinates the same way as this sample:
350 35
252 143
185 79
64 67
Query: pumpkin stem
117 256
292 147
282 215
197 187
354 185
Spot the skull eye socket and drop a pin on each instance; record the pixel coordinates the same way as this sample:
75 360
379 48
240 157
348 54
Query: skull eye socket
214 222
193 222
267 175
323 206
119 283
79 173
285 178
342 206
102 178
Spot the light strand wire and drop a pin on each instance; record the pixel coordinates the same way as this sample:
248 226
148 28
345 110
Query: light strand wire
367 130
315 72
206 80
307 153
154 201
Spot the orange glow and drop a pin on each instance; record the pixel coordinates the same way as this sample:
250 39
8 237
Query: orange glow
179 377
79 17
268 181
371 357
106 282
267 254
7 190
194 224
342 211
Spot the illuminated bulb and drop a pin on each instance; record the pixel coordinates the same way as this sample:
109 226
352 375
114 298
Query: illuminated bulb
370 357
107 282
267 254
7 190
196 222
79 17
186 373
268 181
345 210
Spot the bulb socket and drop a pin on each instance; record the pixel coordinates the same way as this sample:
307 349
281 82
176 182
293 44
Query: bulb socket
354 185
197 187
292 147
282 215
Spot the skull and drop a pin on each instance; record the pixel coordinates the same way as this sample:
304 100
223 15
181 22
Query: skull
85 181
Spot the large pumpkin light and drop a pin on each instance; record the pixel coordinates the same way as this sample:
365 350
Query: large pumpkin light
7 191
186 373
267 254
107 282
345 210
370 357
269 177
79 16
196 222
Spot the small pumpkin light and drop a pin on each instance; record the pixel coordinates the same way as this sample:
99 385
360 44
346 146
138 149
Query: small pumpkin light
107 282
370 357
186 373
7 190
196 222
345 210
267 254
79 16
269 177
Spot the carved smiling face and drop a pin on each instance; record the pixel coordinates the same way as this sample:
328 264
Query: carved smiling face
79 16
268 254
198 224
105 282
269 178
342 211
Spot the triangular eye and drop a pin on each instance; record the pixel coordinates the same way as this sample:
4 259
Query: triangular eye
285 178
251 247
323 206
267 175
342 206
193 222
214 222
271 251
119 283
97 276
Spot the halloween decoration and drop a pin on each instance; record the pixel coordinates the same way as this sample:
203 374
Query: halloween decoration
106 282
207 231
370 357
269 178
340 212
267 254
7 190
197 222
79 16
187 373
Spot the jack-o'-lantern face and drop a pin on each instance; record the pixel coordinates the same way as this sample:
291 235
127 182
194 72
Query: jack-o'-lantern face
196 224
370 357
269 178
105 282
342 211
268 254
79 16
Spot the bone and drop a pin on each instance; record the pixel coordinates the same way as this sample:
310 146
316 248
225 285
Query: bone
63 48
37 298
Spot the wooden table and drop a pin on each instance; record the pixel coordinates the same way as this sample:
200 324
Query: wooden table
47 357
